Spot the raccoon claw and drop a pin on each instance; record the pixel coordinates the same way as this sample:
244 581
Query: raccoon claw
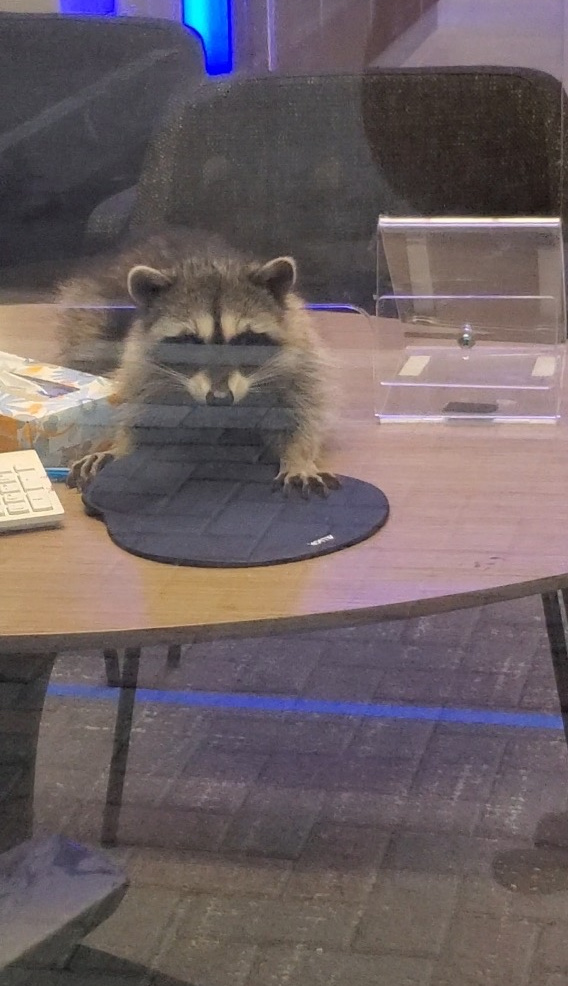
84 470
319 483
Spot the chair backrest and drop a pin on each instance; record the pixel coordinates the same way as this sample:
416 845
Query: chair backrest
46 58
469 141
274 165
80 98
305 165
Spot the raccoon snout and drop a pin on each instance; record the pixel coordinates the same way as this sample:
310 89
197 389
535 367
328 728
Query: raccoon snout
219 398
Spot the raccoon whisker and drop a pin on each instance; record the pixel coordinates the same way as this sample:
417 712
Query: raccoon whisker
271 370
168 371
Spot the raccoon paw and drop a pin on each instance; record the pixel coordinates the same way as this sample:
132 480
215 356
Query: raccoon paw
85 469
307 481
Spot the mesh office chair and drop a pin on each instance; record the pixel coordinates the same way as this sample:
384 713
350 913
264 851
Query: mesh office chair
305 165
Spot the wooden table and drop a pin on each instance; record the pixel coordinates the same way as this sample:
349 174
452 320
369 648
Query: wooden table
479 514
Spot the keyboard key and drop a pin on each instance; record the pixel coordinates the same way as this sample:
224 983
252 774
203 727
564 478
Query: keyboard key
14 497
30 480
39 501
10 487
29 501
17 508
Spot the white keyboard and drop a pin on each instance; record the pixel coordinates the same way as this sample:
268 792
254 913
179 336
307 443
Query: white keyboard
27 498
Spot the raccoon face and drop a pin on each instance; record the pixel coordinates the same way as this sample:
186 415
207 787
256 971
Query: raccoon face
213 326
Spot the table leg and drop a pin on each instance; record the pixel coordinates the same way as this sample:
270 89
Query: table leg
23 684
554 603
121 744
112 668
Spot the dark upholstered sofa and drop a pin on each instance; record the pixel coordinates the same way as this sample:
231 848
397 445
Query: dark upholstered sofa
79 100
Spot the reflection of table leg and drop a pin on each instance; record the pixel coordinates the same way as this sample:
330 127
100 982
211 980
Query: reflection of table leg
554 603
23 684
121 744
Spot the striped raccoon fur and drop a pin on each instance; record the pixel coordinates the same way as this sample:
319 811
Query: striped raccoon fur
221 310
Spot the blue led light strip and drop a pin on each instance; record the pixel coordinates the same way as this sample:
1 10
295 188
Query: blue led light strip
309 706
211 20
97 8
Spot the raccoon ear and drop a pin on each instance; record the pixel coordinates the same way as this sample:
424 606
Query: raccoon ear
278 275
145 284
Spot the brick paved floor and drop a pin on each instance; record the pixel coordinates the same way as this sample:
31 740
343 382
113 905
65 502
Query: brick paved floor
279 849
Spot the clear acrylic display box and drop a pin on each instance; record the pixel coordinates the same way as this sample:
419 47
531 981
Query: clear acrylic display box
474 327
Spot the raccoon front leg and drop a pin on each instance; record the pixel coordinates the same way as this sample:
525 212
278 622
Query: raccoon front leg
84 470
299 469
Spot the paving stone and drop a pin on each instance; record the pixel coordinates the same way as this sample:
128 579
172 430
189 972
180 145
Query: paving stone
518 801
274 822
415 685
301 966
338 861
508 648
484 895
170 828
488 950
424 852
244 920
457 766
364 808
426 812
388 738
208 794
191 873
336 682
129 975
536 751
539 693
207 963
135 931
517 612
455 627
501 690
164 737
407 915
354 651
271 732
544 978
236 766
339 773
374 633
279 666
552 952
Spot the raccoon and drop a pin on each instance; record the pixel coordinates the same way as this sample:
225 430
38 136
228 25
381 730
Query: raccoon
241 336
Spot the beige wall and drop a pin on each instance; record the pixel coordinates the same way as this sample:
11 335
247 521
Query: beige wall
297 36
168 9
29 6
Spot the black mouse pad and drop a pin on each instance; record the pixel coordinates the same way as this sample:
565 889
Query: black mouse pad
225 514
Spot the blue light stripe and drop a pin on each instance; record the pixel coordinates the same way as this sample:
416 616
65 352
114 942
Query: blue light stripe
211 20
97 8
309 706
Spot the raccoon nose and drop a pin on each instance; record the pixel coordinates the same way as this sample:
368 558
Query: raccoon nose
220 398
